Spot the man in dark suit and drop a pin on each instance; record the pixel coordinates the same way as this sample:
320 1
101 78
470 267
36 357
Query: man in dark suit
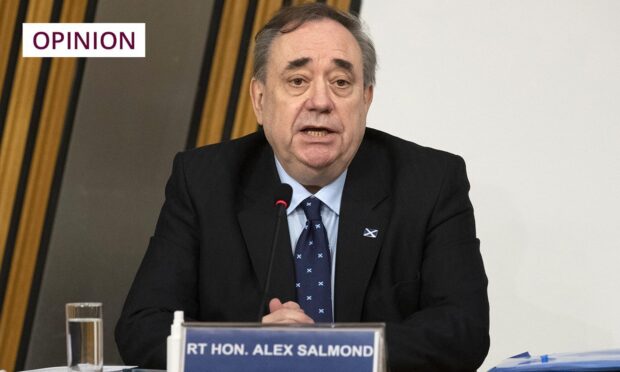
406 251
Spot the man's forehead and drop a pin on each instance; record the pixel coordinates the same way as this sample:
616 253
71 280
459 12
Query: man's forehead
324 40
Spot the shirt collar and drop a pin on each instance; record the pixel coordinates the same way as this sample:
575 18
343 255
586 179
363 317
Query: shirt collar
330 195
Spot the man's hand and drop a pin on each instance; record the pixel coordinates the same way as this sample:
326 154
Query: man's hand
289 312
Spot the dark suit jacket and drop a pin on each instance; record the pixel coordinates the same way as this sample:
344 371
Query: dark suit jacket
423 275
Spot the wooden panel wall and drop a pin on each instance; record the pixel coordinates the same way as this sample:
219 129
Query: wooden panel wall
37 95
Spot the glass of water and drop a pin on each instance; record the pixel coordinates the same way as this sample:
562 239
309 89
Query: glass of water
84 336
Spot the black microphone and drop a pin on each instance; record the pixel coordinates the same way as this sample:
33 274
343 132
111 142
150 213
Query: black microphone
282 198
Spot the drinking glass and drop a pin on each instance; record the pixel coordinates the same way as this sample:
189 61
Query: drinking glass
84 336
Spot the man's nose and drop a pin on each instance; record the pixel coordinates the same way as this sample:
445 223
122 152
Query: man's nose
319 97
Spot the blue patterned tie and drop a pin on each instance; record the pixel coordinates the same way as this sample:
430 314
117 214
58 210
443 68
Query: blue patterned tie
313 265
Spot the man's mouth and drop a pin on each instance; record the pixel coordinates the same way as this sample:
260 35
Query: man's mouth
317 132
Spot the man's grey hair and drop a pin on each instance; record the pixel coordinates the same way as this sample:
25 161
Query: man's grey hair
290 18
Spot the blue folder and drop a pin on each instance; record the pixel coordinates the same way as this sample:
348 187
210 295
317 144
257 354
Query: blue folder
604 360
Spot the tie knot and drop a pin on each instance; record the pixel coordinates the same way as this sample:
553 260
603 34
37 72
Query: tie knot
312 208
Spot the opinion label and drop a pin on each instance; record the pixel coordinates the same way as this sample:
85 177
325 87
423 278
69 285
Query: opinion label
83 39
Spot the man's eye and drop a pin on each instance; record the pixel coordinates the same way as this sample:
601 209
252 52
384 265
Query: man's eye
297 82
341 83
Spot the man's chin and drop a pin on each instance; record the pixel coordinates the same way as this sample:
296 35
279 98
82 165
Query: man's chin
318 164
322 172
313 169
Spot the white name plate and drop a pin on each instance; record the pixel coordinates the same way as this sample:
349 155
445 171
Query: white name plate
255 347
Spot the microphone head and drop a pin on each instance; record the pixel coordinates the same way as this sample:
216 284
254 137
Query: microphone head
283 194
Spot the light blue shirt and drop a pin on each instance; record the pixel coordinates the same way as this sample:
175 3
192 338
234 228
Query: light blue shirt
331 196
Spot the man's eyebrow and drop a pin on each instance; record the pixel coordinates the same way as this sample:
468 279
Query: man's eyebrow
300 62
342 63
297 63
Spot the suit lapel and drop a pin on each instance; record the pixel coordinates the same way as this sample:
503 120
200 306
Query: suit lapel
364 206
257 219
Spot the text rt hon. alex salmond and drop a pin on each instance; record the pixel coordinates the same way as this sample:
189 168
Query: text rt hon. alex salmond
385 226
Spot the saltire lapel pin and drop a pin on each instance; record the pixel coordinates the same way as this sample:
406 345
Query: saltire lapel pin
371 233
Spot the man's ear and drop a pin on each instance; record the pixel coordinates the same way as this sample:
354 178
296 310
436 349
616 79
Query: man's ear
257 89
368 94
